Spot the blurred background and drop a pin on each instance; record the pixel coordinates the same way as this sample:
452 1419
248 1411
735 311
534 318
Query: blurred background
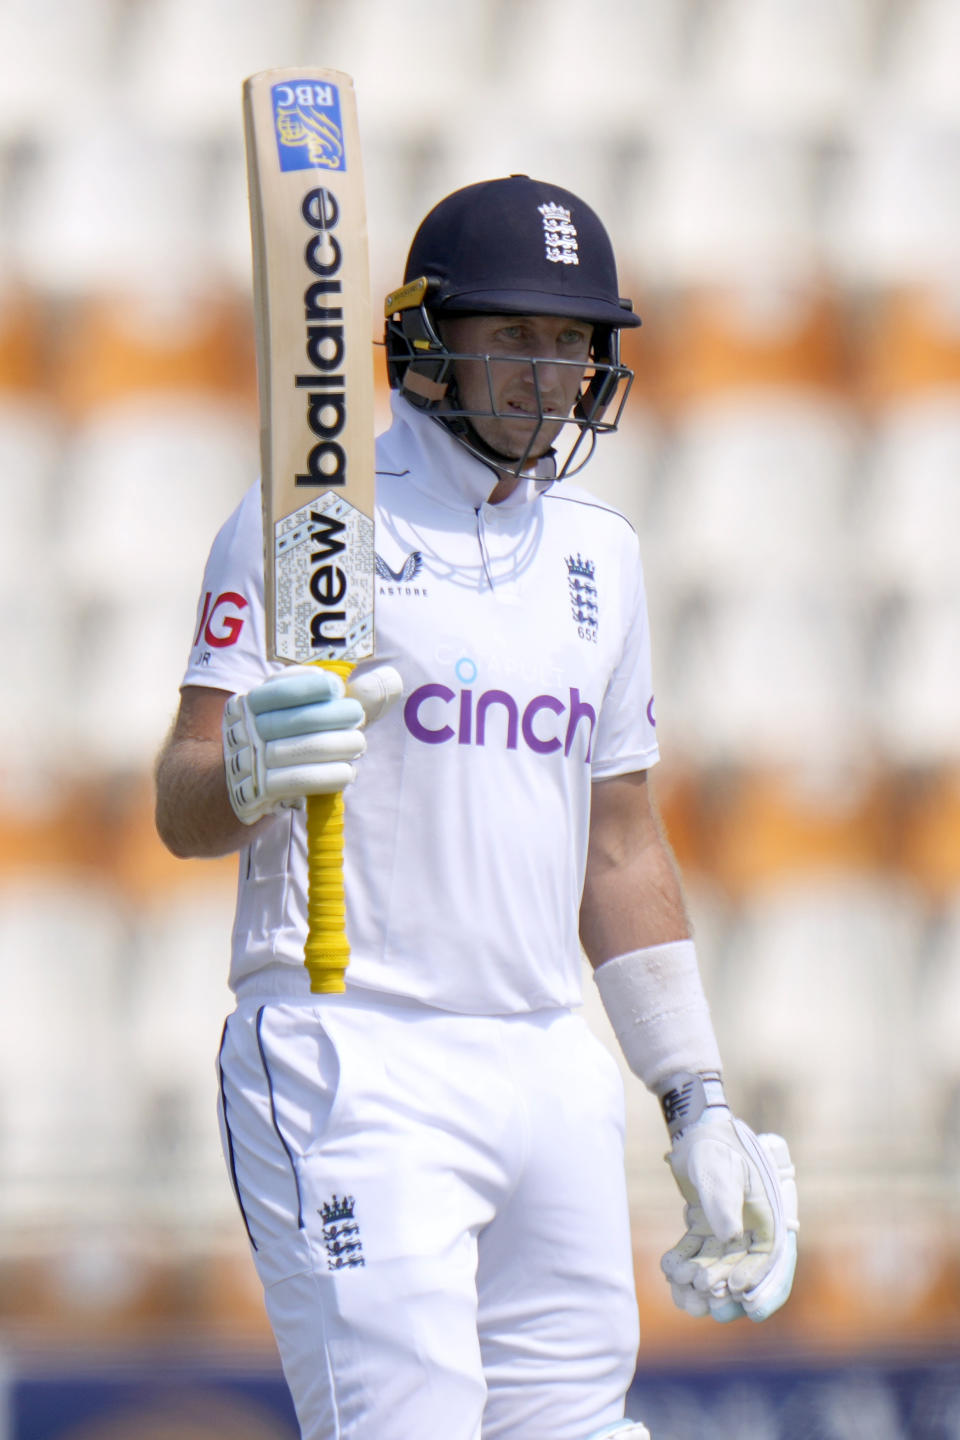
782 182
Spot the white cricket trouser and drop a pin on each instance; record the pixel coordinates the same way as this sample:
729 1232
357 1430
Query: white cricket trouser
437 1209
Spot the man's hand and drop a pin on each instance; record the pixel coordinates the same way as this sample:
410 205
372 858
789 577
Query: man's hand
299 734
739 1253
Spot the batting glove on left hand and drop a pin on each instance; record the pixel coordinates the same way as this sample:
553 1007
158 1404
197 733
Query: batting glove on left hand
739 1253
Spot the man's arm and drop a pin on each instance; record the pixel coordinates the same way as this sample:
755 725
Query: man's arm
221 776
193 814
739 1251
632 895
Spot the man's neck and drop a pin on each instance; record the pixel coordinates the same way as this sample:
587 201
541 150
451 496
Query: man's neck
503 489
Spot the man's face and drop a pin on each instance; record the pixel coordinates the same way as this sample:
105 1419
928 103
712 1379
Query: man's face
509 384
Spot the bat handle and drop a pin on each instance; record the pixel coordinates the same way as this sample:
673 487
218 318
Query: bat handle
327 950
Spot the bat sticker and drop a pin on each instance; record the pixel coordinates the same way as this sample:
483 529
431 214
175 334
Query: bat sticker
306 114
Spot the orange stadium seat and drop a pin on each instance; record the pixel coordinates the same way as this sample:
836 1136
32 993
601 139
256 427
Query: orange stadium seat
750 337
927 849
177 342
910 344
760 826
32 633
23 343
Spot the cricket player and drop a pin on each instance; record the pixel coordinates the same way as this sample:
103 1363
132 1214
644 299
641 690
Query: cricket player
429 1167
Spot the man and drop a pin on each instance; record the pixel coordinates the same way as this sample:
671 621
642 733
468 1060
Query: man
430 1167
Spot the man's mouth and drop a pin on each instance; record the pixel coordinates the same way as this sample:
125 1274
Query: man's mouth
522 410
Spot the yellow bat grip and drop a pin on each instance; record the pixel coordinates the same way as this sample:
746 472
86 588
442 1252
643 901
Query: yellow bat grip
327 951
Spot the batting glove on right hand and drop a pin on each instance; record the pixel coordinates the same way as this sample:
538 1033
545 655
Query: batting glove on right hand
298 734
739 1253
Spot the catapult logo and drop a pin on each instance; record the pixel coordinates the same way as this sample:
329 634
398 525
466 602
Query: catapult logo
436 714
306 115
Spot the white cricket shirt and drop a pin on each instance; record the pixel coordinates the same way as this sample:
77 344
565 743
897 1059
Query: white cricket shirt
520 630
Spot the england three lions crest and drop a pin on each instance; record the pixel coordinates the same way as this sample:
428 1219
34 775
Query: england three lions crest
581 575
341 1234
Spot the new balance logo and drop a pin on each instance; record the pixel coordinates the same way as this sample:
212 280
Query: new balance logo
676 1103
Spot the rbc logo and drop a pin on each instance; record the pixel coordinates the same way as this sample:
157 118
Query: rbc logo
309 129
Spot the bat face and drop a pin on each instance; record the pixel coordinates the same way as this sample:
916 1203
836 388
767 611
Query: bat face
314 363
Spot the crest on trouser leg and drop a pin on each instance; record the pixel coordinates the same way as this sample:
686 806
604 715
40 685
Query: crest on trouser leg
341 1234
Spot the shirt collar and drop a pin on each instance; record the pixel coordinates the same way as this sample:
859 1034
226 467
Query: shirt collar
449 473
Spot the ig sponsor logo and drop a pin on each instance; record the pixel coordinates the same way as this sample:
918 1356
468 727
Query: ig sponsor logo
220 624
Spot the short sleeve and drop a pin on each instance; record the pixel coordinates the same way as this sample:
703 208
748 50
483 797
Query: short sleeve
228 651
626 729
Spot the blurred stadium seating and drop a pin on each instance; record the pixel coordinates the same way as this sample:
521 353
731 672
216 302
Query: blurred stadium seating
782 180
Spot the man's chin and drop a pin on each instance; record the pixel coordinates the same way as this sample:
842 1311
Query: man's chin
518 439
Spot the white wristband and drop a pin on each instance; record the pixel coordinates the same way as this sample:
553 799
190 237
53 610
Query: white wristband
654 998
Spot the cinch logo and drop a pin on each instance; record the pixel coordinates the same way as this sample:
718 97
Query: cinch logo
435 715
309 129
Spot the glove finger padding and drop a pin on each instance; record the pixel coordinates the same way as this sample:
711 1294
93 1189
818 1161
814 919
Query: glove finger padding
295 685
295 735
336 714
695 1269
739 1253
376 689
318 764
317 749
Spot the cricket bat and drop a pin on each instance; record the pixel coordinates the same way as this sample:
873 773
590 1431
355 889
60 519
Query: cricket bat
311 289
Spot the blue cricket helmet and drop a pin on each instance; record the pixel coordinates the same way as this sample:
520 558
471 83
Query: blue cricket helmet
518 247
513 246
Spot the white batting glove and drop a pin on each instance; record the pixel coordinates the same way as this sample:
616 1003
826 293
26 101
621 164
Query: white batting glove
739 1253
299 734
